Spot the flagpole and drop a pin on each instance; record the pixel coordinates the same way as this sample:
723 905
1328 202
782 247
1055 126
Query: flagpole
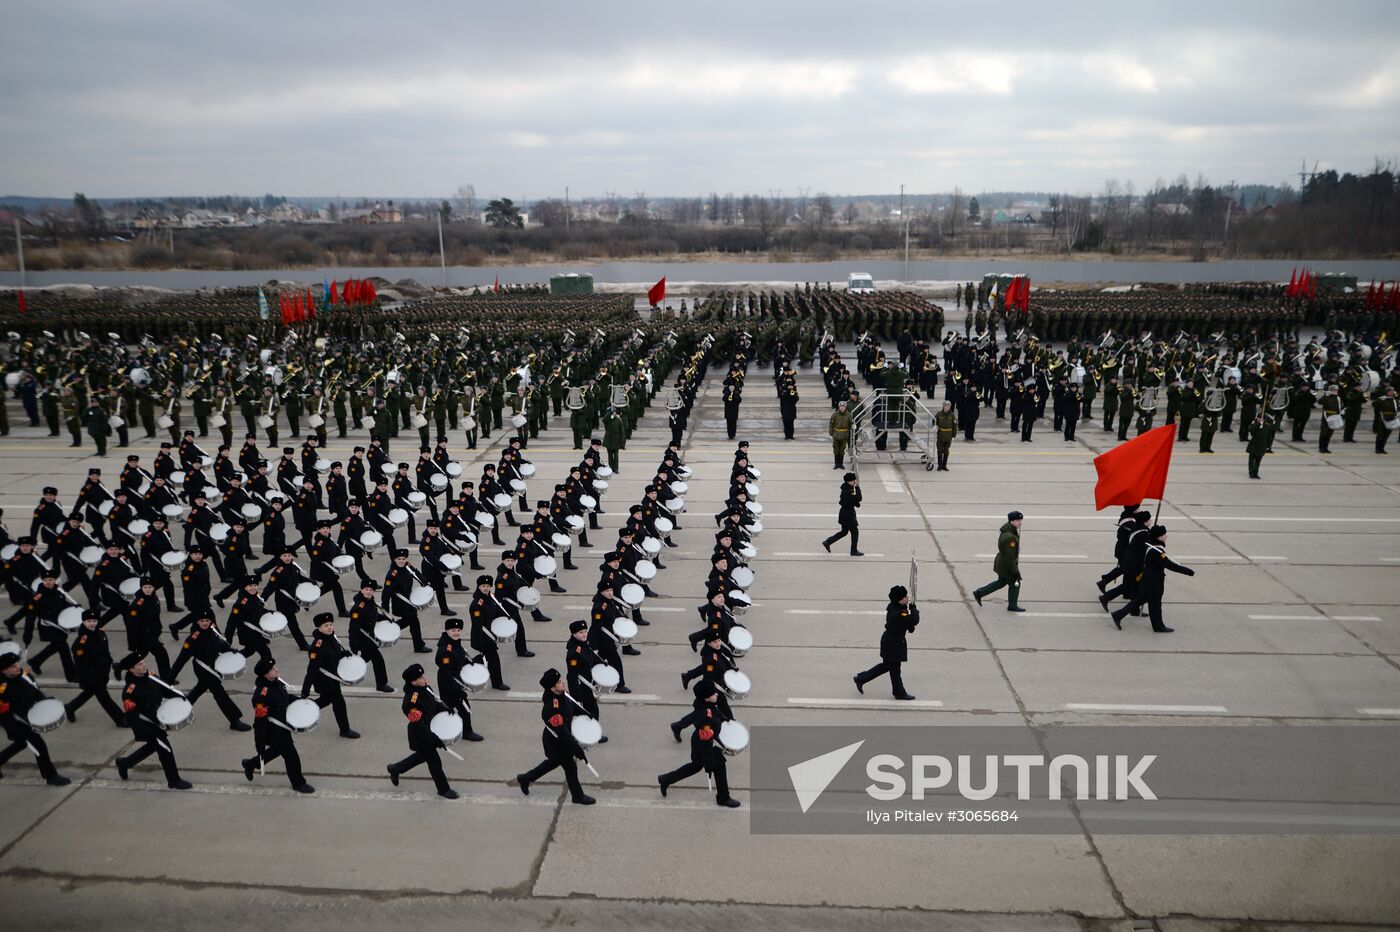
19 247
442 254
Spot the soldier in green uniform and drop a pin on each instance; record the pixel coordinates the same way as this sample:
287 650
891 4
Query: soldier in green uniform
1127 400
1007 565
269 409
1353 403
199 401
73 417
1387 412
1187 408
292 406
839 429
247 398
579 420
1331 403
613 438
1261 438
95 418
945 423
1110 402
48 403
555 385
146 404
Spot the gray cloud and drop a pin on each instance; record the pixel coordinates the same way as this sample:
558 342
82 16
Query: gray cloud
416 98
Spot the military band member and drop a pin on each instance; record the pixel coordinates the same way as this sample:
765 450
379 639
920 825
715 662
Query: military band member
450 659
839 427
705 753
18 695
560 747
272 736
322 659
485 609
901 618
420 704
141 699
92 659
203 646
45 605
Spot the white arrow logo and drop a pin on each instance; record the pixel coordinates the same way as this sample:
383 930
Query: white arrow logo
811 777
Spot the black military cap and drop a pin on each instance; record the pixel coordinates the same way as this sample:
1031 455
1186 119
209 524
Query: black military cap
264 667
400 552
49 574
1014 516
897 593
848 477
50 490
484 580
703 689
249 580
412 672
576 626
8 660
452 624
369 584
323 618
507 554
130 660
430 523
551 676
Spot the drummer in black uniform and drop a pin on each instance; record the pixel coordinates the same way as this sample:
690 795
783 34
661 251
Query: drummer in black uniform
272 737
141 698
705 752
18 694
92 658
451 658
560 748
420 704
203 646
484 610
322 659
579 660
364 615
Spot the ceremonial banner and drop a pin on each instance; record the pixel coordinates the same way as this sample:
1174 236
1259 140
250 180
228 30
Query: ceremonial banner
1135 471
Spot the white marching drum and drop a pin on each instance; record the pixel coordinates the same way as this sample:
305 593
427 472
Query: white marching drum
323 464
527 469
70 618
605 678
743 576
386 633
8 551
740 640
91 556
575 523
174 713
679 488
674 505
632 594
755 529
398 517
739 603
588 502
754 508
474 677
175 478
264 421
418 421
748 551
485 519
342 564
106 507
171 511
528 596
453 469
451 562
517 421
517 486
230 665
172 559
646 570
754 489
273 624
501 500
503 629
1334 421
307 594
438 481
417 499
733 738
604 472
545 567
219 532
371 541
303 715
351 670
651 545
115 422
624 630
214 496
586 731
129 587
139 527
315 421
683 471
735 685
251 512
600 485
447 727
755 472
561 540
420 596
664 525
45 715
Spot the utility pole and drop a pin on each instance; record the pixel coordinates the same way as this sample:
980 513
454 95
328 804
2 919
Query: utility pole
171 231
905 218
19 248
566 208
442 253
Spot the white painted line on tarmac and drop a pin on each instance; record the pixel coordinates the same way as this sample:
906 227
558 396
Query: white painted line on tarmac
818 553
1390 559
1064 614
535 696
1278 559
822 611
649 608
1386 713
1107 520
1313 618
889 479
1041 556
867 703
1117 707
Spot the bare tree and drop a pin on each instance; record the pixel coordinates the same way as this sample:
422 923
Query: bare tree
466 201
850 213
956 208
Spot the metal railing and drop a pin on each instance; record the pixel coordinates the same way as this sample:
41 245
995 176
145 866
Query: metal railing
879 413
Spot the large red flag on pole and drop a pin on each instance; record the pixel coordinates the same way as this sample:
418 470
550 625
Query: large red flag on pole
496 288
1135 471
23 305
1292 284
657 293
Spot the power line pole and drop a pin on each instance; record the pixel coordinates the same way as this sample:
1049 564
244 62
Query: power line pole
566 208
19 247
905 218
442 253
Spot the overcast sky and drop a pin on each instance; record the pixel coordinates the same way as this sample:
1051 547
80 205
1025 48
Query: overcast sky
521 99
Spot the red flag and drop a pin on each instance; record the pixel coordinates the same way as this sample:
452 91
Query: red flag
496 288
330 298
23 305
657 293
283 311
1312 284
371 295
310 306
1025 303
1292 284
1394 303
1135 471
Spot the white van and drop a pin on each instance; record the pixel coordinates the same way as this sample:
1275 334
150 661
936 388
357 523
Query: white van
860 283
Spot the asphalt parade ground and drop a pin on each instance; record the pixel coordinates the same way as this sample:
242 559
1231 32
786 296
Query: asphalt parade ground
1293 617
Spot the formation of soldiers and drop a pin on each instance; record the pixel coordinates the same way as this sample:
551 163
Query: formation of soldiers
799 318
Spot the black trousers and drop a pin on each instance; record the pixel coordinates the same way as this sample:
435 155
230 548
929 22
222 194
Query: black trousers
853 530
885 666
22 737
717 769
1154 611
492 655
55 644
95 687
430 757
547 766
159 746
285 749
328 694
373 656
207 682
